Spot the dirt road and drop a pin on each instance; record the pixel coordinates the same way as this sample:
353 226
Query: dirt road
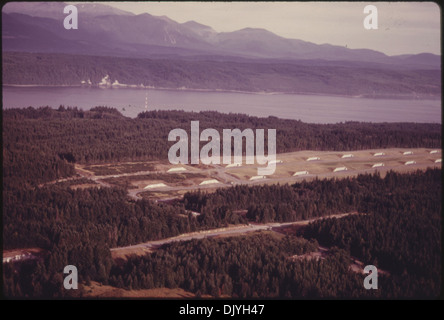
235 230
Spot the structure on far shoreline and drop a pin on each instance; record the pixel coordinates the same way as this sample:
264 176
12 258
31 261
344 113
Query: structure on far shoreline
106 83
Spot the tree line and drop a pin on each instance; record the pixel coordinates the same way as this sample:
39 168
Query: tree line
399 231
260 265
80 226
249 75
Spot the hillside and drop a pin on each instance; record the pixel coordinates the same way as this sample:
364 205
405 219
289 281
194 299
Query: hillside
105 31
291 77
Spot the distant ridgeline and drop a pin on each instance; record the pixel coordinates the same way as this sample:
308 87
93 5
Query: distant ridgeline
42 144
302 76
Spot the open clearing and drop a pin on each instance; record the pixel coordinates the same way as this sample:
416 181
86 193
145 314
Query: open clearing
23 254
98 290
178 183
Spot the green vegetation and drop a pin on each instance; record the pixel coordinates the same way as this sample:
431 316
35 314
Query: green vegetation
41 145
305 200
252 76
79 226
400 231
257 266
113 169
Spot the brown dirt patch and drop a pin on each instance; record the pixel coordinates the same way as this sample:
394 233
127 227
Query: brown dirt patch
97 290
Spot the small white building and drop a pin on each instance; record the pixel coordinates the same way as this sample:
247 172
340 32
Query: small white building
339 169
313 159
105 82
178 169
257 177
376 165
300 173
211 181
347 156
438 160
410 163
117 84
407 153
379 154
7 259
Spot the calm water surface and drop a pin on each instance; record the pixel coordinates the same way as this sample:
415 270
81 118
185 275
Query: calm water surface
308 108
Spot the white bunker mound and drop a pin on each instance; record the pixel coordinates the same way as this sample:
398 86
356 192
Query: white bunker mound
379 154
257 177
178 169
376 165
339 169
211 181
232 165
410 163
407 153
313 159
347 156
300 173
155 185
438 160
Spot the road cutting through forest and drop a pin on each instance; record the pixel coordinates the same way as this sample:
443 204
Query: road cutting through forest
233 230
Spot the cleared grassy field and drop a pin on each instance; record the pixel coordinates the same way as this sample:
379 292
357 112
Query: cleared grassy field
97 290
128 167
175 184
361 162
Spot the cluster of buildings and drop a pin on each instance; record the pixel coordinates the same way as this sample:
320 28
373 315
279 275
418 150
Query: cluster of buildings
107 83
18 257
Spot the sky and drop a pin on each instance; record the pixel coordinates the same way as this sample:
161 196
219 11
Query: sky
403 27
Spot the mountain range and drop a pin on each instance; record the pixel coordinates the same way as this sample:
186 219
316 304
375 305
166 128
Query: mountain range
107 31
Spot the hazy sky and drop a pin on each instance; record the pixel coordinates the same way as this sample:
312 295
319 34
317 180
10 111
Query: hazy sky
404 27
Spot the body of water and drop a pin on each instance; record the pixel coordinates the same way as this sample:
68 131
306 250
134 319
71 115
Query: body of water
307 108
